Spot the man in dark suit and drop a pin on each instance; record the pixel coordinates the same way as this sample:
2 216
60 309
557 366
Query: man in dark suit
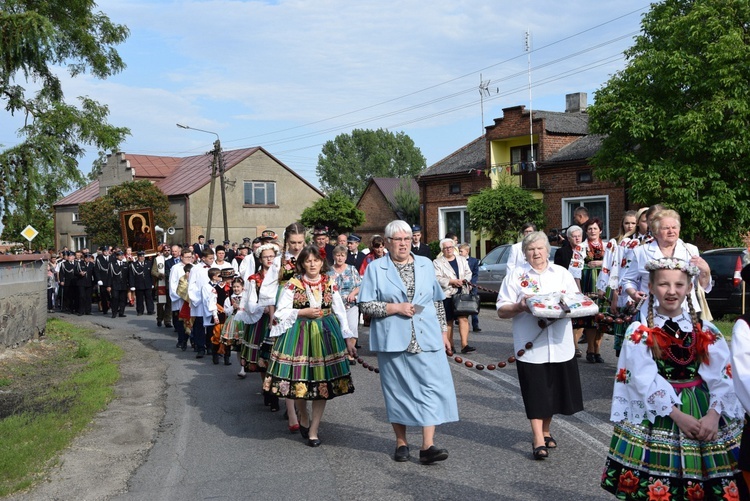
354 256
229 251
320 237
465 250
417 247
118 283
85 284
142 283
200 246
101 277
67 281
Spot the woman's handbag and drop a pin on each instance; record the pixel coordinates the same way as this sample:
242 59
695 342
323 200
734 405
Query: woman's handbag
465 304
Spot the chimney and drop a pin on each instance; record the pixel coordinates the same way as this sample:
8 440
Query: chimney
575 103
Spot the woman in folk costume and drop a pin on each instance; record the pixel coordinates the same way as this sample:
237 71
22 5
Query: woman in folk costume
308 360
677 419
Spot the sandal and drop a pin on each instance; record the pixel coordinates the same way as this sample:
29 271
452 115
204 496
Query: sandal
550 442
540 452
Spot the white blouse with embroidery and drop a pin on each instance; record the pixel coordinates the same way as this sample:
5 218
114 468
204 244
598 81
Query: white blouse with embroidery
640 392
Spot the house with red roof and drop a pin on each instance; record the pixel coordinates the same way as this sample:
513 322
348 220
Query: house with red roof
261 193
378 202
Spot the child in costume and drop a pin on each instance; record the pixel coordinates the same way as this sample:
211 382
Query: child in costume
677 419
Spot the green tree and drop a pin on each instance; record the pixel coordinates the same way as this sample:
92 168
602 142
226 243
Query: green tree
676 120
406 202
101 216
499 212
36 38
349 161
336 211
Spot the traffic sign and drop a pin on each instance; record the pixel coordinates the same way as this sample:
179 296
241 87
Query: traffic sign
29 233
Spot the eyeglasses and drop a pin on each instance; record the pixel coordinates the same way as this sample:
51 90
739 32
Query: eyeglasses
449 247
405 239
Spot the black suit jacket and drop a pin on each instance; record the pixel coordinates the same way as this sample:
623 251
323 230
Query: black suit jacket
197 249
101 269
119 275
422 250
140 275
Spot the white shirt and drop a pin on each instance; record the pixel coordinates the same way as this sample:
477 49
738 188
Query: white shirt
553 343
175 274
198 278
515 258
741 362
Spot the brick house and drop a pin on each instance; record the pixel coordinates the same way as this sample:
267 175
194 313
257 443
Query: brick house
445 188
261 193
378 202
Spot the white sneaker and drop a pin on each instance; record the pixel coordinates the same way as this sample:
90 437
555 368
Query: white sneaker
242 373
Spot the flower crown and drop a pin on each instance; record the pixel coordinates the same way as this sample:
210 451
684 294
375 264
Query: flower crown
671 263
271 246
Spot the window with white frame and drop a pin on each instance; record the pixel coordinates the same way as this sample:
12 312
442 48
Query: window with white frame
76 217
260 193
598 206
454 220
80 243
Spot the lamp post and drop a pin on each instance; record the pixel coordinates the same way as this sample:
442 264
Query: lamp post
217 164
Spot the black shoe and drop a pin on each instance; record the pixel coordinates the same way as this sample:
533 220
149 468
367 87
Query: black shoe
123 315
200 354
274 403
151 313
114 316
477 329
313 442
227 361
468 349
304 431
168 326
402 454
590 357
184 346
432 454
598 358
215 357
158 323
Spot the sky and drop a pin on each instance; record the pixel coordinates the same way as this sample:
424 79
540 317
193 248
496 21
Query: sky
289 75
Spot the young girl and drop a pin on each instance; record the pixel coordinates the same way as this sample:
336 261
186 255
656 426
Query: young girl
308 360
258 303
234 325
608 282
677 419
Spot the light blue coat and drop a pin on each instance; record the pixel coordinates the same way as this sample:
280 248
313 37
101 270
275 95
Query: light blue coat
393 333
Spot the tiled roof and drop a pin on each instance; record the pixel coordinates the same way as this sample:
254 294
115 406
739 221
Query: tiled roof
85 194
559 122
151 166
472 156
580 149
389 185
195 172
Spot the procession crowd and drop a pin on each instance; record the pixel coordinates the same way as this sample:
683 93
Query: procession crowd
291 312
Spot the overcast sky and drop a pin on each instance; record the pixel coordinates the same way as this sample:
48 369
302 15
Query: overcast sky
290 75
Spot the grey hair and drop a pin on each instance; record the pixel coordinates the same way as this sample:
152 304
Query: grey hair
443 241
573 228
533 237
340 249
397 226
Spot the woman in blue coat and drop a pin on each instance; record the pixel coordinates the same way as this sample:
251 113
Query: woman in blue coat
410 336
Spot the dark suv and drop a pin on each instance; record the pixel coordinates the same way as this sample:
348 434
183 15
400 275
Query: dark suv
726 295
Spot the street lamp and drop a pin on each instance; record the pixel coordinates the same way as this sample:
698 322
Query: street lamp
217 164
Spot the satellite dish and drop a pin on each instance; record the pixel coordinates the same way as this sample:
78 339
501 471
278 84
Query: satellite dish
171 230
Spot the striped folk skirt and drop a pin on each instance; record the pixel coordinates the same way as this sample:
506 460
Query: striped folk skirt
309 361
647 460
256 344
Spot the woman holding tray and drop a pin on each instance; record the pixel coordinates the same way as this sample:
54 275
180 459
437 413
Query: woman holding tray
547 369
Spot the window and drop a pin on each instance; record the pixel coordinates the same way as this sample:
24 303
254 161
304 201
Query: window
584 176
597 207
260 193
454 188
521 165
455 220
80 243
76 217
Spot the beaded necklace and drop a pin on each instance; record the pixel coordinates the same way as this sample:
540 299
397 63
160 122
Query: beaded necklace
314 290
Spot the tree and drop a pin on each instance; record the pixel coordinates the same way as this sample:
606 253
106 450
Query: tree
35 39
336 211
101 216
676 120
499 212
349 161
406 202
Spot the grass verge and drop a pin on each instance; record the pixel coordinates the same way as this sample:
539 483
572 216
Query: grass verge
49 392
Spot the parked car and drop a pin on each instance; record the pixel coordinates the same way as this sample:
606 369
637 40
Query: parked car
492 269
725 297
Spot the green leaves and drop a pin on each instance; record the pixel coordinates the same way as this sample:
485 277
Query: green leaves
499 212
676 120
336 211
348 162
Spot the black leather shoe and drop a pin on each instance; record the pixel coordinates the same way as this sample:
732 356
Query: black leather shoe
432 454
304 431
402 454
123 315
313 442
215 357
158 323
114 316
468 349
200 354
477 329
598 358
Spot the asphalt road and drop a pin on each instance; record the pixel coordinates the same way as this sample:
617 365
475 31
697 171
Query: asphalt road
184 429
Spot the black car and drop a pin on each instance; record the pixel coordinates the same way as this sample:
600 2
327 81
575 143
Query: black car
492 269
725 297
